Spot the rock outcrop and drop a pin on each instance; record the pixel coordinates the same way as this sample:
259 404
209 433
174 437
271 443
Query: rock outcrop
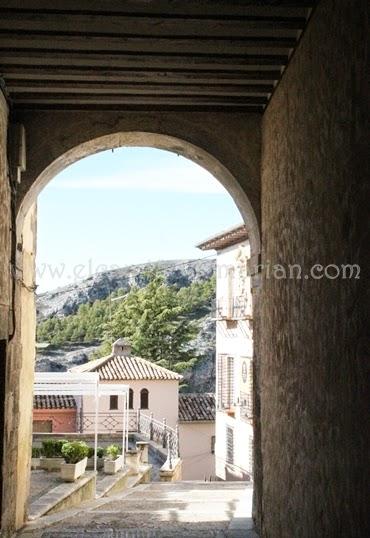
66 300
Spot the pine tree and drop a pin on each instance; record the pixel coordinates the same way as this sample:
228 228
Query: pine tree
157 322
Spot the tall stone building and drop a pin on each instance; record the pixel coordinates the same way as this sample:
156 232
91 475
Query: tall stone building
234 354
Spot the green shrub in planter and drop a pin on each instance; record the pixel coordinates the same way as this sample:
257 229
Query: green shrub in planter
113 451
91 459
36 452
52 448
74 451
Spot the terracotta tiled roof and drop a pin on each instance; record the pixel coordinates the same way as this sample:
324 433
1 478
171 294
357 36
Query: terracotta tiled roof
125 368
48 401
194 407
225 239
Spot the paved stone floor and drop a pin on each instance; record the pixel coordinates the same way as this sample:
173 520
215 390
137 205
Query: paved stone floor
41 483
163 510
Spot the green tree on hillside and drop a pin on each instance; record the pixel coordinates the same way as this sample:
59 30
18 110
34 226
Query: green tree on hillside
156 319
159 320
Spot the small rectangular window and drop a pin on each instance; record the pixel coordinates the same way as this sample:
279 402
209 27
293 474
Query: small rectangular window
213 443
113 402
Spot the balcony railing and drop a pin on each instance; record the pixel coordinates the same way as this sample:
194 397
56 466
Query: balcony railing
111 422
235 308
162 434
244 410
138 422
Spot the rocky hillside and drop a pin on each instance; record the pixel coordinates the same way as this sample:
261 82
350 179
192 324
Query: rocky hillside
66 300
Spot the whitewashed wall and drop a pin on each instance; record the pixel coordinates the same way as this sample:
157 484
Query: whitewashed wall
198 462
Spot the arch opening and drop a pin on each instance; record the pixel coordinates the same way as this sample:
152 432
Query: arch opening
152 140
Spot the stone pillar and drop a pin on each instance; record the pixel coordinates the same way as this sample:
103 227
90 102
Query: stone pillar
143 450
314 345
5 276
17 334
257 453
19 384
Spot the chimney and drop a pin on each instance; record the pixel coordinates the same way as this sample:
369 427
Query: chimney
121 347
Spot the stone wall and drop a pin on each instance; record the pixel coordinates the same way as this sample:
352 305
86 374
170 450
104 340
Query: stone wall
19 385
5 252
4 223
313 343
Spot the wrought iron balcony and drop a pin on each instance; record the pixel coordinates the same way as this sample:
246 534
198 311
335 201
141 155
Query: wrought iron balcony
235 308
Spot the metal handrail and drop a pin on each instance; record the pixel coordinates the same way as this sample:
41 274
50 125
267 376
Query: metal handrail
147 425
160 433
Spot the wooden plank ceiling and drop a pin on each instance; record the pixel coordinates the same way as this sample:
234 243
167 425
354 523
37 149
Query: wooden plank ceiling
189 54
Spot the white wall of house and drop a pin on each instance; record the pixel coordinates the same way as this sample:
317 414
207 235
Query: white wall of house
234 366
240 465
163 403
198 461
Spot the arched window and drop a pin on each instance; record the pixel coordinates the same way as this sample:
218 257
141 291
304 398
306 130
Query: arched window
144 399
130 399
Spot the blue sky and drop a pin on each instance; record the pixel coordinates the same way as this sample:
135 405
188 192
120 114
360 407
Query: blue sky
129 206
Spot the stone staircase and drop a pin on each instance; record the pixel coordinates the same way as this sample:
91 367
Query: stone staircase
156 510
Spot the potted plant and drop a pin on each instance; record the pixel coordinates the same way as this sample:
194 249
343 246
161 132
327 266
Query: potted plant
52 454
35 460
113 461
100 452
99 460
75 459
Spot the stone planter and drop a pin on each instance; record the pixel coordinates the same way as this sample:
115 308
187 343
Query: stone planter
71 471
99 463
35 463
113 466
51 464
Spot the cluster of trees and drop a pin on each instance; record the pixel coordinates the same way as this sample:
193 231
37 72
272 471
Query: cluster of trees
87 325
159 320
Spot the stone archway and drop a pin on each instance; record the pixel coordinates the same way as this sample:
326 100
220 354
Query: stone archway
153 140
44 162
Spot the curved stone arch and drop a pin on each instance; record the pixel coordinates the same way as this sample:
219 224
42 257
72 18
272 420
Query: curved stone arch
231 155
153 140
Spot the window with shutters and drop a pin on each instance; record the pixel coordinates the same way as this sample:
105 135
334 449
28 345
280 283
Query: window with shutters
246 394
229 445
225 381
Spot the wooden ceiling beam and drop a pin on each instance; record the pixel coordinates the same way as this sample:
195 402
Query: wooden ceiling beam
130 45
164 8
140 61
137 89
150 26
15 74
250 109
138 100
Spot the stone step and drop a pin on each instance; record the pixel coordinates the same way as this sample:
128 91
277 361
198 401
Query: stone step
201 485
160 510
156 505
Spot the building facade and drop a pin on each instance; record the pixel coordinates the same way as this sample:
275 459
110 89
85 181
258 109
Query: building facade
153 390
54 414
234 355
197 436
